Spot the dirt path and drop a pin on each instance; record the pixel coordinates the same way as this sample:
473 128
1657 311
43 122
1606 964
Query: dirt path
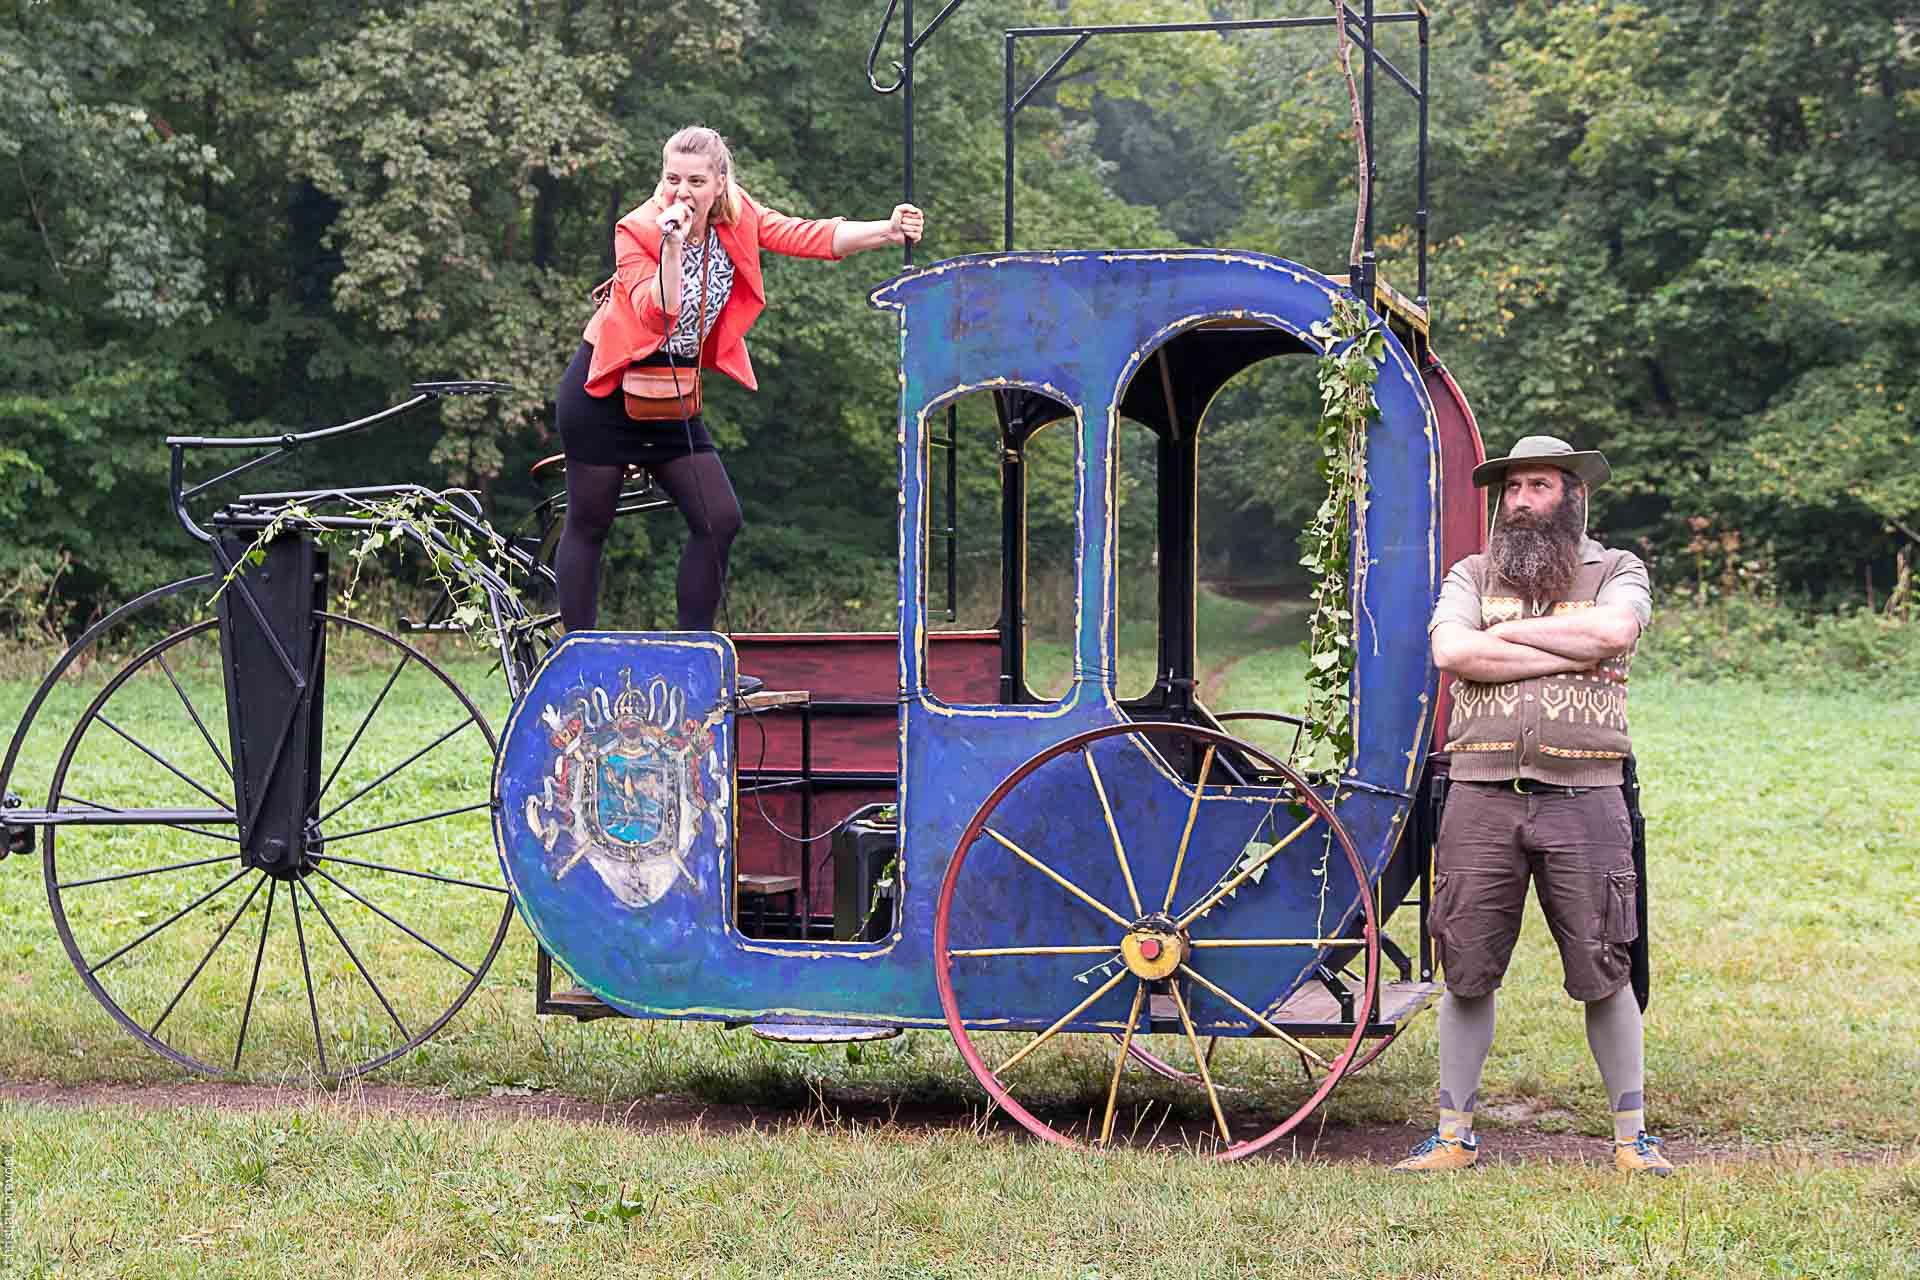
1214 676
1515 1141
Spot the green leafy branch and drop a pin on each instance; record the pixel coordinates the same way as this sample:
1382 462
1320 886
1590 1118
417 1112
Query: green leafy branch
470 564
1334 544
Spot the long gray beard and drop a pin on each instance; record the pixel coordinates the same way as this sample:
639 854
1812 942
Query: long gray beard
1541 559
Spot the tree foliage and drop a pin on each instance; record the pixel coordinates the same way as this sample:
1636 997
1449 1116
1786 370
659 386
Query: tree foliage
1689 235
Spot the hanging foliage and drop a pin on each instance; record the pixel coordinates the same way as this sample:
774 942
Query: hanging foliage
464 558
1335 542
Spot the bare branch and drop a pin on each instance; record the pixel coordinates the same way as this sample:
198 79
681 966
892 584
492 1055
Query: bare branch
45 237
1359 132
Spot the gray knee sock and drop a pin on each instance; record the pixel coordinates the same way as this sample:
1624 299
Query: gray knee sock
1466 1034
1615 1035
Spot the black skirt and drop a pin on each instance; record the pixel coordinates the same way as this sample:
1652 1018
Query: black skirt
596 429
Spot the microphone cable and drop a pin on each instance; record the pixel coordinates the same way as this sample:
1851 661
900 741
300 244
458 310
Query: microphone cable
686 419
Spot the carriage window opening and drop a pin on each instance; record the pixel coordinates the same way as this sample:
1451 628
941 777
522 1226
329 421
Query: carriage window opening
1050 589
1137 559
1257 490
967 493
961 552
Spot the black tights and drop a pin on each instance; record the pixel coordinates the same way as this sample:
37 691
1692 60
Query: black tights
698 485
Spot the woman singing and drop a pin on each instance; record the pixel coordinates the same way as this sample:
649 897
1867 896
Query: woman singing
686 288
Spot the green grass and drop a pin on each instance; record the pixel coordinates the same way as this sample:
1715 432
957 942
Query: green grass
1785 871
345 1191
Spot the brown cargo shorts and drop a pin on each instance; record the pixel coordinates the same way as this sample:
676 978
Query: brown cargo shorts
1577 848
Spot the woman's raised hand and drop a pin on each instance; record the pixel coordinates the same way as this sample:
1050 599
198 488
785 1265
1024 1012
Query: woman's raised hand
907 223
674 221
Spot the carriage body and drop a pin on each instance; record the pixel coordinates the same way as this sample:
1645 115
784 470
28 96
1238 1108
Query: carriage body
1037 852
1031 836
635 888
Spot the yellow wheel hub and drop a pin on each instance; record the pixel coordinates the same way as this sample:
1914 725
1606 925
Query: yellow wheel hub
1153 948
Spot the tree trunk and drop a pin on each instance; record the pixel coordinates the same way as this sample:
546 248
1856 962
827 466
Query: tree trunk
545 214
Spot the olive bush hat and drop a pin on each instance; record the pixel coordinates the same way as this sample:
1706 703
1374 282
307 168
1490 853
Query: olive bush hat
1547 451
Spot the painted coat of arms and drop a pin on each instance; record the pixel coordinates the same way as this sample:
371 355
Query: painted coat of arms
632 782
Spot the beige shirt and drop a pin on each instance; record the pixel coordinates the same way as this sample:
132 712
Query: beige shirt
1627 587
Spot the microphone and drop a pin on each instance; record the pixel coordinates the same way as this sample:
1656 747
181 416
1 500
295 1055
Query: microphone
677 216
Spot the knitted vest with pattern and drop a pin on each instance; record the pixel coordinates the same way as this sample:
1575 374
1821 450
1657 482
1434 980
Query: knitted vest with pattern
1568 729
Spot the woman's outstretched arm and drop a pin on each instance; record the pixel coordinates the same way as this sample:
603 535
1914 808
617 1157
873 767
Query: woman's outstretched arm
907 223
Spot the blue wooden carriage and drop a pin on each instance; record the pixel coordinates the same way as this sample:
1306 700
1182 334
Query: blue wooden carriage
1073 865
1111 899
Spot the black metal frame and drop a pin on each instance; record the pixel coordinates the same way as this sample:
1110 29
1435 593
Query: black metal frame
1021 414
267 644
1360 27
1360 23
256 511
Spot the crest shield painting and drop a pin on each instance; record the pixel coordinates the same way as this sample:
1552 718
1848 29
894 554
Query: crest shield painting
634 807
629 785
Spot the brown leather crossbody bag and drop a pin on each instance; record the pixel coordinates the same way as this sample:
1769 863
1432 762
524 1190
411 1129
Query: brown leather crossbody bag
659 393
668 393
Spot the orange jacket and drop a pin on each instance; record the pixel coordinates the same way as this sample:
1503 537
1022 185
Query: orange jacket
630 325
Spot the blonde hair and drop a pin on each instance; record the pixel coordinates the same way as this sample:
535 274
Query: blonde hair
698 140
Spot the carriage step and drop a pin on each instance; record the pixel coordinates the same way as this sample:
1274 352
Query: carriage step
821 1032
1313 1010
579 1004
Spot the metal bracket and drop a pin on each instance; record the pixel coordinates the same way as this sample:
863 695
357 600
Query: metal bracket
1338 990
18 839
463 387
913 43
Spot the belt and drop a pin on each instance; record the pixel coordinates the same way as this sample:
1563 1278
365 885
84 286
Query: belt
1535 787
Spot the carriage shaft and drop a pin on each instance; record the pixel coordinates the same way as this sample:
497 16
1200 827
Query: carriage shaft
27 818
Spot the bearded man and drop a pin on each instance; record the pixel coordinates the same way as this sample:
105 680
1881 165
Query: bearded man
1539 633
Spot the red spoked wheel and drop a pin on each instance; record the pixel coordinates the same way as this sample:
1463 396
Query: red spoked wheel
1146 1057
1161 953
1160 1066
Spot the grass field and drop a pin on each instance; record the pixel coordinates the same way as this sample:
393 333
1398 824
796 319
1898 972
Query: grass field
1785 878
199 1192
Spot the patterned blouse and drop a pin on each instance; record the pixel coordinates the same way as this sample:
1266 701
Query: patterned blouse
719 284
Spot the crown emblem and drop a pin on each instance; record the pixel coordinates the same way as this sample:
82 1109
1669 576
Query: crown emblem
650 711
631 704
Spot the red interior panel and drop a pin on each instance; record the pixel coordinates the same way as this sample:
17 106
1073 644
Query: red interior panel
851 728
1463 525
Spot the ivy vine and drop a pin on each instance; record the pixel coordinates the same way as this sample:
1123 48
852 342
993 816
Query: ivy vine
468 561
1334 545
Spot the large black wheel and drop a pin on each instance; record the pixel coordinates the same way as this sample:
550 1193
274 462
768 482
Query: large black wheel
339 959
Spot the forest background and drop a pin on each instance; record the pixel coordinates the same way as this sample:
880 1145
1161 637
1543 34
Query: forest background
1686 234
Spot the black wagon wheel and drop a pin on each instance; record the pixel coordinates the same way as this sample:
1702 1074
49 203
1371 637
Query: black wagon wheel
344 957
1148 955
